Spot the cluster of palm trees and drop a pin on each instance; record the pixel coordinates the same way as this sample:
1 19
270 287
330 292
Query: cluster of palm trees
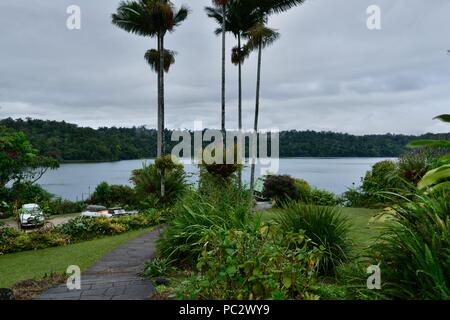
246 19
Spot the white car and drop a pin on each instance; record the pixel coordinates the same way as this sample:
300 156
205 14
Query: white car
96 212
31 215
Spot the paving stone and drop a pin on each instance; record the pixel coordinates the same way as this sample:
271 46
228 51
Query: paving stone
115 276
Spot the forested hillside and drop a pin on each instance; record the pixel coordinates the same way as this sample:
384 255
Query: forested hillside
68 142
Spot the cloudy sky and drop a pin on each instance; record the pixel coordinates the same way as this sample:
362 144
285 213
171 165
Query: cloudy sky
327 71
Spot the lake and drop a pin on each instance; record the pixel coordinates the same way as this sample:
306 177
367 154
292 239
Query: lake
76 181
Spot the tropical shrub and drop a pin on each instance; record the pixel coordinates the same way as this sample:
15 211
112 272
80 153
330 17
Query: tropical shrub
58 207
325 226
147 182
414 251
197 215
321 197
280 188
255 265
413 166
113 195
158 267
12 240
304 190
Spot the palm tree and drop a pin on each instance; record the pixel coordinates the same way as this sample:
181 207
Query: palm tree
260 37
152 18
239 18
222 4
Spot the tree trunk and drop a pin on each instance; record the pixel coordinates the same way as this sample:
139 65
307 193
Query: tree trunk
162 122
223 69
258 86
240 102
159 137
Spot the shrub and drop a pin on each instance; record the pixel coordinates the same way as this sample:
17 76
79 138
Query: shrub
147 183
280 188
321 197
325 226
304 190
12 240
58 207
158 267
199 214
414 251
22 193
253 264
414 165
113 195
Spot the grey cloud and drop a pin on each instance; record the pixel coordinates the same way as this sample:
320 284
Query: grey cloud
327 71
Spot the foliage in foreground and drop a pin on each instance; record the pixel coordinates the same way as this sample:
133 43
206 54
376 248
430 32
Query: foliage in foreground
197 215
253 264
325 226
415 251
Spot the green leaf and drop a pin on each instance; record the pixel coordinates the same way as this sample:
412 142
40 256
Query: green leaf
287 280
443 117
444 160
441 186
434 176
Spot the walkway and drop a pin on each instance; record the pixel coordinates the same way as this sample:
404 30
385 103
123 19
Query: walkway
115 277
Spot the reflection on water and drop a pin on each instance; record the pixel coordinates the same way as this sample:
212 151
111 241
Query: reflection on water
76 181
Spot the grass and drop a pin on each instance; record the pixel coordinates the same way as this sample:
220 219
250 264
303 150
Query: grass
363 233
37 264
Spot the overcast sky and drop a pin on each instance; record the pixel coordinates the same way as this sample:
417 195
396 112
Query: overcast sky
326 72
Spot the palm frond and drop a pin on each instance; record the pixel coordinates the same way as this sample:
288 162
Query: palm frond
152 57
260 34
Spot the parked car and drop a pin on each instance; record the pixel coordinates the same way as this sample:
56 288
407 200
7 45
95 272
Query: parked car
31 215
96 212
117 212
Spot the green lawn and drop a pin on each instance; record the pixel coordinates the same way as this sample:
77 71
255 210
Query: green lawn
36 264
362 232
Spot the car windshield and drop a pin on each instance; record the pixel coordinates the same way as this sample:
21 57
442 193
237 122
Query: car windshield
31 210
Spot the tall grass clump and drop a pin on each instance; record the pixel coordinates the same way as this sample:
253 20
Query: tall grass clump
414 251
198 216
325 226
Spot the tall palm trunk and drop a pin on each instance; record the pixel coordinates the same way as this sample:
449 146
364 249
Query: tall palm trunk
240 101
159 136
258 86
161 120
223 69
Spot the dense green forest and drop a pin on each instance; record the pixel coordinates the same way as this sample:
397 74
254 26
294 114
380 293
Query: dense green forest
68 142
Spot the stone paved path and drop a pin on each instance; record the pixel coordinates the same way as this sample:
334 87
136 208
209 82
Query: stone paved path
115 277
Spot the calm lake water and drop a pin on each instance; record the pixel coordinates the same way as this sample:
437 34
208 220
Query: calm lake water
77 181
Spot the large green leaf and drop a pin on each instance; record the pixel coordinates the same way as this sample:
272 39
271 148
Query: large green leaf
430 144
443 117
441 186
434 176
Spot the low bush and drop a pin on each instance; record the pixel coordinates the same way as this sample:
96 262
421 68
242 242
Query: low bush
414 251
325 226
113 195
76 230
158 267
197 215
58 206
321 197
253 264
281 188
12 240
